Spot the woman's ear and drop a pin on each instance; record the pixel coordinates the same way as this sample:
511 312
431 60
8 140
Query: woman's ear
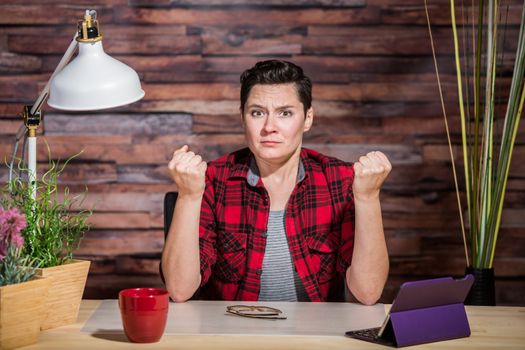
308 119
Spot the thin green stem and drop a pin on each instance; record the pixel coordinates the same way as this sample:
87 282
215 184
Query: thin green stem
448 135
461 105
510 129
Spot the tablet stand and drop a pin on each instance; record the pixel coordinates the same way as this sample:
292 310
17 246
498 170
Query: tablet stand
428 325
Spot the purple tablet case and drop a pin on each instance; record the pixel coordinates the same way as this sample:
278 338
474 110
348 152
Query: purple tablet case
428 311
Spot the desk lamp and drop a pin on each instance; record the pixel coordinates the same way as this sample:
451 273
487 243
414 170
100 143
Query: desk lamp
92 81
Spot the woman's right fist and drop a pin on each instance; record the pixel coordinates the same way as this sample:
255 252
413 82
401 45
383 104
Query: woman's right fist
188 170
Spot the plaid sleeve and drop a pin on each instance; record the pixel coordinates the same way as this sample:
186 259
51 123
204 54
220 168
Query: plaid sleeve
207 230
346 247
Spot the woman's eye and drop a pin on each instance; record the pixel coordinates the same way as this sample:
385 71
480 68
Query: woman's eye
257 113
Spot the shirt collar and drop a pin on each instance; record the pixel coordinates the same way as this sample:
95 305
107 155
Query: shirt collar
253 175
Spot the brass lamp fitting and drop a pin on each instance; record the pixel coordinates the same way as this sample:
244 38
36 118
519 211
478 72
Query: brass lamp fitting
88 29
31 121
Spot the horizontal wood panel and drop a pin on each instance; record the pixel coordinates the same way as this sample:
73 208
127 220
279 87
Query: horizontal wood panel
187 106
410 14
14 90
381 91
264 3
108 286
115 187
9 127
247 17
11 62
121 242
398 154
97 3
110 124
138 264
117 44
191 91
125 220
426 266
82 174
120 202
32 14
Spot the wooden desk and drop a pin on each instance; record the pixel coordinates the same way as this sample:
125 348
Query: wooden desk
492 328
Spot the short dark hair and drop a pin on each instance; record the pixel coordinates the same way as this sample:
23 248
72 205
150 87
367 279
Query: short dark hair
277 72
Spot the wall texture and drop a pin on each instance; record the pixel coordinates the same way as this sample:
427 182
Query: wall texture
375 89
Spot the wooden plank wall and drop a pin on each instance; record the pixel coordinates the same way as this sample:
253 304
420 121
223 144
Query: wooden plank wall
375 89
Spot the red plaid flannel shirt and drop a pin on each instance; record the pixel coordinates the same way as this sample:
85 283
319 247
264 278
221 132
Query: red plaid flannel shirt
319 223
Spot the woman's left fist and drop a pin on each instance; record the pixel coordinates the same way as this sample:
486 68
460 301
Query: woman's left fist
370 173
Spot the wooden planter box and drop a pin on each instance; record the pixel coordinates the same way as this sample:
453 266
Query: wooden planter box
22 308
65 292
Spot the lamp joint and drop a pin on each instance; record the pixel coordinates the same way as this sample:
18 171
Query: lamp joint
31 121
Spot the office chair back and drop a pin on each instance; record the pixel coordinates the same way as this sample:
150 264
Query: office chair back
169 206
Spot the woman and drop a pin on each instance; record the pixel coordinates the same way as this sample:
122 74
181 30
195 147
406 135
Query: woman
276 221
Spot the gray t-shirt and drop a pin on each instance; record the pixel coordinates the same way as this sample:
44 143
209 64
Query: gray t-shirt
279 280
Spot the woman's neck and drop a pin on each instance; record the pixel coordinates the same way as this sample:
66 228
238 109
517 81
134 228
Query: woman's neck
279 171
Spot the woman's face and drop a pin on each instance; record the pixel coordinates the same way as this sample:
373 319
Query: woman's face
274 121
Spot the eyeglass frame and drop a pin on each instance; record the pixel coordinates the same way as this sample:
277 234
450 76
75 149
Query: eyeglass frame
265 312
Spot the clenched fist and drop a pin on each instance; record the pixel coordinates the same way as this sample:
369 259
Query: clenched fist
188 170
370 173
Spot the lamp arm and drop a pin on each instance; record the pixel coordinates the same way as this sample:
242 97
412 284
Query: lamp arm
32 119
63 62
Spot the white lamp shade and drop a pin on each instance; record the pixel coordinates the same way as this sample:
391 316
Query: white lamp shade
94 80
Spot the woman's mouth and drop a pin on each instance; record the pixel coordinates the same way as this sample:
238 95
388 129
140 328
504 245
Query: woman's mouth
269 143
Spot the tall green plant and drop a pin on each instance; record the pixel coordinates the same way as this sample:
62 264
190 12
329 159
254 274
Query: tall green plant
486 152
55 227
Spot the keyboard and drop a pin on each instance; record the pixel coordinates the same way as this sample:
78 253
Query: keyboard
370 333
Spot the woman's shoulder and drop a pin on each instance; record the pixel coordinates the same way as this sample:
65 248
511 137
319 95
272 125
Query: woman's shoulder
318 161
239 156
330 172
230 162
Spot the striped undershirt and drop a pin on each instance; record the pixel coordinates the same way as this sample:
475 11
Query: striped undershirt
279 280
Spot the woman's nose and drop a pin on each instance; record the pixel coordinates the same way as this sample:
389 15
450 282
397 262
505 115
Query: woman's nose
269 125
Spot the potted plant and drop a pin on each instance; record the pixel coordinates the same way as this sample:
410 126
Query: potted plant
22 295
54 229
487 135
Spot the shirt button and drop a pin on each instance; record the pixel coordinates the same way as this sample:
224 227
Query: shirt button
258 272
265 234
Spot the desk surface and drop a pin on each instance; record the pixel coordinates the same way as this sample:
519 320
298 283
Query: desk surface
492 327
210 318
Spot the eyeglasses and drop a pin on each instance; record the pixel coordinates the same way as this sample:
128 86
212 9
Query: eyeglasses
256 312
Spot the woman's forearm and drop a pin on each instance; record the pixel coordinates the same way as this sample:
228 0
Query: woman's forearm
368 272
180 257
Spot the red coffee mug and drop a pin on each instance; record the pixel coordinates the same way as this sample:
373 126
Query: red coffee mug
144 313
